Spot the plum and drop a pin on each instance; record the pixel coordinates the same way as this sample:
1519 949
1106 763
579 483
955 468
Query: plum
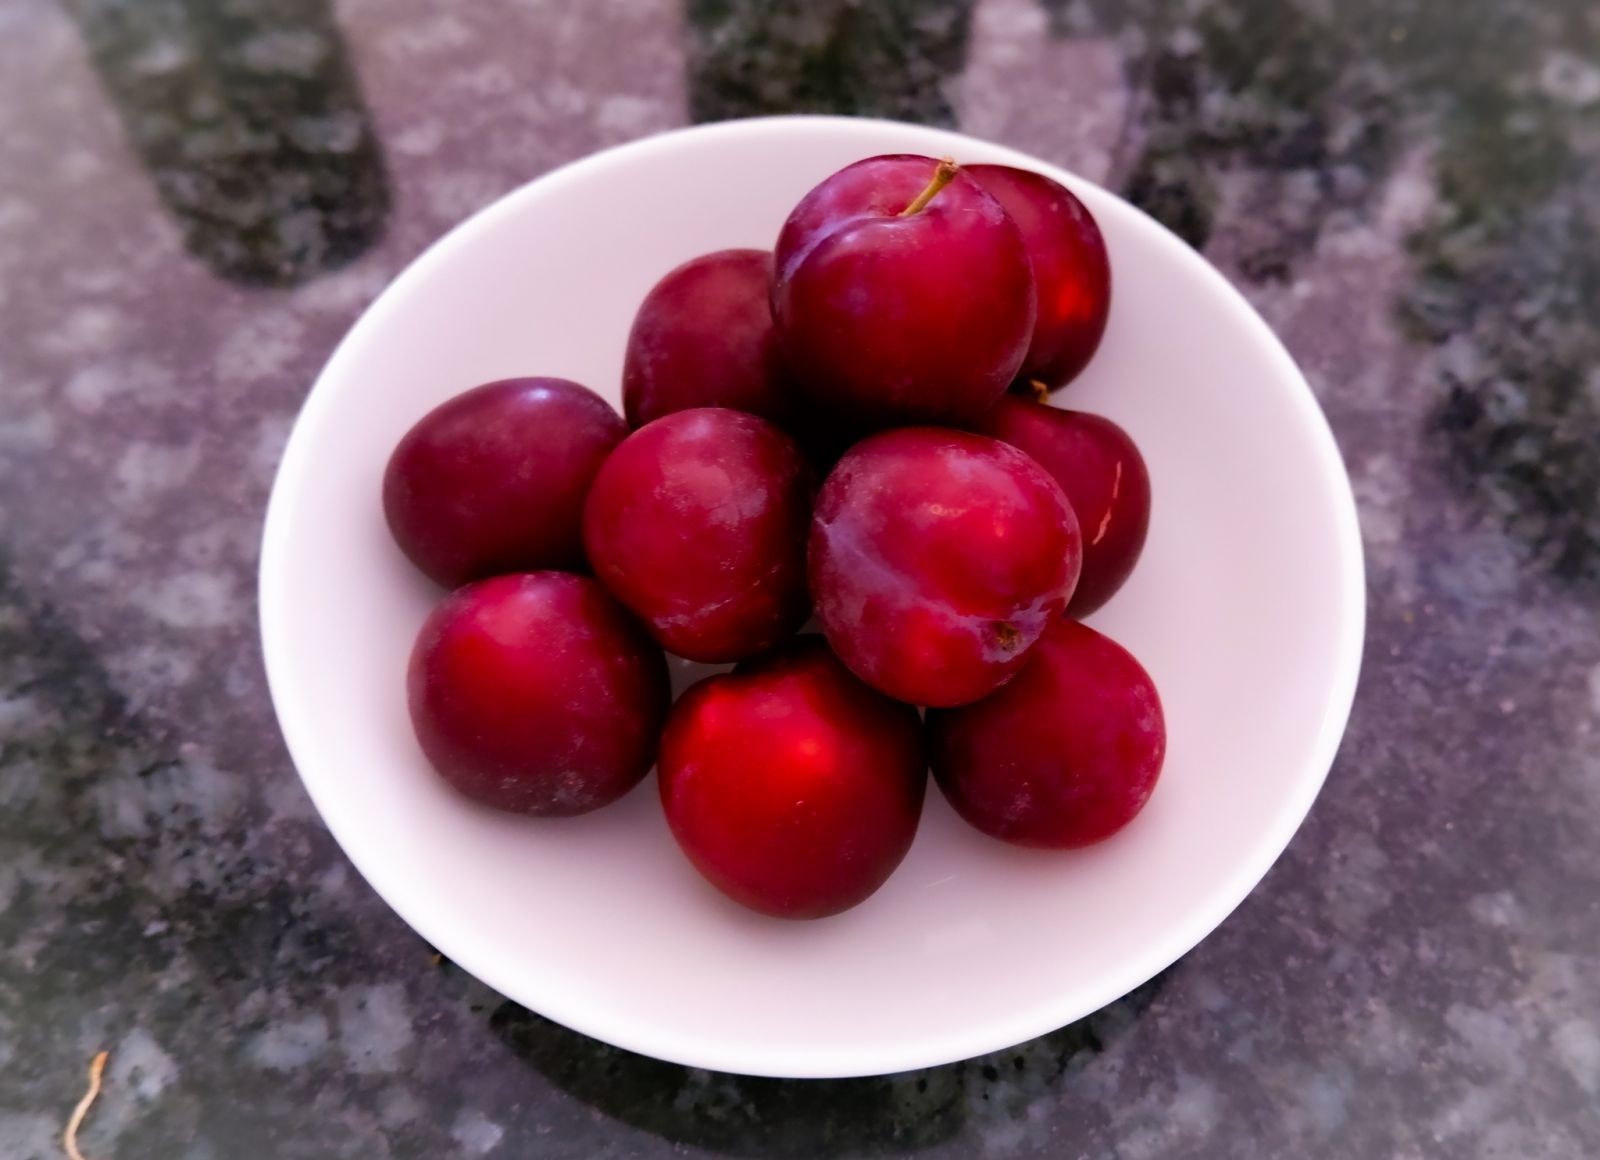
937 558
536 693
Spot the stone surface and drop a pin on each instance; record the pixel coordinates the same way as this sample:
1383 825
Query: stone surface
193 208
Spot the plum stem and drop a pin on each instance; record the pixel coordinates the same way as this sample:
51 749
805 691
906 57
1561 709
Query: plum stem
942 177
1041 393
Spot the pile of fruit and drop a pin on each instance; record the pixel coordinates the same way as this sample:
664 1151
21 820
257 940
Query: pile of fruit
853 427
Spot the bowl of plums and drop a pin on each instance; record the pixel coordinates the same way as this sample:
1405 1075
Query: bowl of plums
811 597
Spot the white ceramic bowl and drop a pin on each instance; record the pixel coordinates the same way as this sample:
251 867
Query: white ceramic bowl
1247 608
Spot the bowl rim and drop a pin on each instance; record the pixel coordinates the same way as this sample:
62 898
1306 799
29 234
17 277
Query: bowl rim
942 1044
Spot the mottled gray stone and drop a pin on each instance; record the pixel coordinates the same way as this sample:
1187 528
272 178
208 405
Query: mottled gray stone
193 209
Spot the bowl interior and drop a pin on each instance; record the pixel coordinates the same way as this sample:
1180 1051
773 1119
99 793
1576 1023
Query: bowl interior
1246 608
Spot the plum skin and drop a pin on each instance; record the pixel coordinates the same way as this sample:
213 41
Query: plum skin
937 558
1071 271
697 524
704 337
1105 480
1063 755
791 786
890 318
493 480
535 693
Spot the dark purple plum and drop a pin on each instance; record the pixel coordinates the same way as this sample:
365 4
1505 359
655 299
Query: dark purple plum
697 523
493 480
903 294
937 558
1071 272
1064 754
1103 476
536 693
703 337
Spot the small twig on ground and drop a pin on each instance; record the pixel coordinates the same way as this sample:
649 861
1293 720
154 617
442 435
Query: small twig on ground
69 1138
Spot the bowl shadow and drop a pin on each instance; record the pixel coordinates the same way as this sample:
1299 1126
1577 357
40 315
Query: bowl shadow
759 1117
